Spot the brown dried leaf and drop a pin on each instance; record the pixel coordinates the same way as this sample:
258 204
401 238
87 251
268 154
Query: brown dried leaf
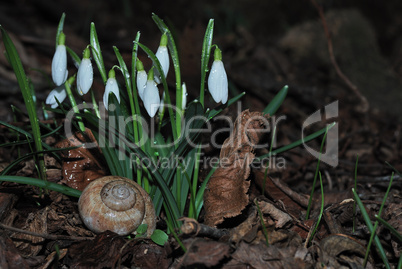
30 245
204 252
247 230
148 255
9 256
102 252
281 218
337 243
260 256
81 165
226 193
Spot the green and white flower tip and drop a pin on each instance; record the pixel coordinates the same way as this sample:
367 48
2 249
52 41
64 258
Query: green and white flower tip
184 96
111 87
141 79
59 93
85 75
151 100
162 105
218 80
59 62
163 56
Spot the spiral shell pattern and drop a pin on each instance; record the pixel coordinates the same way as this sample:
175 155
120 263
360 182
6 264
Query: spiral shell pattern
117 204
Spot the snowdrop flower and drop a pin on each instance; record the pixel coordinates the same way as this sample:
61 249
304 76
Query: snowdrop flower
111 87
141 79
218 80
59 62
85 75
59 93
163 57
151 95
184 96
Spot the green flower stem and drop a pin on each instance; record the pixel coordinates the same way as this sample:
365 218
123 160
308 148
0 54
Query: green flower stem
136 108
95 106
176 64
70 95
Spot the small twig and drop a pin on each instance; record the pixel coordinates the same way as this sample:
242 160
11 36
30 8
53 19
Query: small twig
192 227
301 199
46 236
364 103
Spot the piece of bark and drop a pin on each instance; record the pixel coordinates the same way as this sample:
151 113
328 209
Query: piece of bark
81 165
226 193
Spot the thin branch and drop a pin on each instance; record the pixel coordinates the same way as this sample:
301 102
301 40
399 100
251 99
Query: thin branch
46 236
364 103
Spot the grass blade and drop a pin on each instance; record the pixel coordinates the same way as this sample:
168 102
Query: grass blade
15 62
42 184
276 102
366 218
389 227
205 54
96 52
296 143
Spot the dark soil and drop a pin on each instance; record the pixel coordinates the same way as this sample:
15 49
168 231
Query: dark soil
265 45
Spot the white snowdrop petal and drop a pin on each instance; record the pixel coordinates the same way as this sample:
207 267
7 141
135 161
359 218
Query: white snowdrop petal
163 57
218 82
141 83
85 76
111 86
184 96
151 98
59 93
59 65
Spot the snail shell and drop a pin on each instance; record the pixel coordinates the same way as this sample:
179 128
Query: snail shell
116 204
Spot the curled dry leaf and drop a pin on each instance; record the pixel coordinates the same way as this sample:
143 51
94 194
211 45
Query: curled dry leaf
281 218
81 165
226 193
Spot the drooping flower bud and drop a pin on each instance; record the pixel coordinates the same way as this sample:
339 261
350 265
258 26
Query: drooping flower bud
218 80
59 93
85 75
163 56
151 95
111 87
141 79
59 62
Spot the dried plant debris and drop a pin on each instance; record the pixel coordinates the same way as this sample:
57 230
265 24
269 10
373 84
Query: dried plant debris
102 252
260 256
281 218
27 244
226 194
109 250
9 255
82 164
204 253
